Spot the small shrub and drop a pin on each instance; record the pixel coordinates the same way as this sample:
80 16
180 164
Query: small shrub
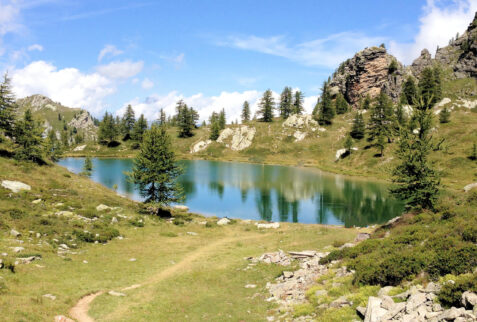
45 222
178 222
338 243
66 175
137 222
303 309
168 234
210 224
470 234
451 293
17 214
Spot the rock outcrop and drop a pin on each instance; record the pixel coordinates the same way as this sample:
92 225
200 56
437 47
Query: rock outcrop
199 146
420 63
367 73
242 137
84 121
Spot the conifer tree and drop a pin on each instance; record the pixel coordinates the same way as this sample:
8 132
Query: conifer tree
266 105
326 111
28 138
222 119
108 130
444 115
8 107
348 144
87 166
53 146
286 102
401 118
139 128
366 105
416 181
162 117
436 71
214 126
298 103
473 153
381 119
409 91
359 127
430 85
381 143
155 170
185 119
245 112
341 104
128 122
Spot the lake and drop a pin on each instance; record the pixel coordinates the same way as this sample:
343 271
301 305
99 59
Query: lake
266 192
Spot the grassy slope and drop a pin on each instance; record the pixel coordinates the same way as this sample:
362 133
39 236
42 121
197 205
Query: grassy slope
194 290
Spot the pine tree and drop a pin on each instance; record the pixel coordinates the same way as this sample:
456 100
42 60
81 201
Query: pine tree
409 91
139 128
162 117
185 119
266 105
444 115
401 118
286 101
436 71
326 111
341 104
155 170
87 166
128 122
53 146
366 105
381 143
245 112
222 119
393 66
348 144
298 103
214 126
28 138
430 85
416 181
108 131
359 127
8 107
381 119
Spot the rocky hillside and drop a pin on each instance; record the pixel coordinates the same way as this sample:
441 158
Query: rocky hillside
373 69
55 116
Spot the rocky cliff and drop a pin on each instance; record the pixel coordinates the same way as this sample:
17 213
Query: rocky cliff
367 73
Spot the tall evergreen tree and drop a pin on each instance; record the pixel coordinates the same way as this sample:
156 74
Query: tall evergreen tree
214 126
266 105
436 71
326 111
162 117
381 119
155 170
416 181
409 91
108 131
366 105
286 102
139 128
298 103
128 122
245 112
28 137
401 118
359 127
430 85
8 107
341 104
185 119
53 146
222 119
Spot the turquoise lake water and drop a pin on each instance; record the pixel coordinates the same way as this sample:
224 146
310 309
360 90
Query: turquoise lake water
273 193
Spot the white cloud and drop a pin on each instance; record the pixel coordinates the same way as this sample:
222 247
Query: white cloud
325 52
110 50
205 105
178 60
35 47
9 16
121 69
147 83
437 26
68 86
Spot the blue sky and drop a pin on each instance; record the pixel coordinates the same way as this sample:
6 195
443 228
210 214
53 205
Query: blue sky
102 55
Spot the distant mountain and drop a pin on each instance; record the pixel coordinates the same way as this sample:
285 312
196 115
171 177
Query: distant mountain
60 118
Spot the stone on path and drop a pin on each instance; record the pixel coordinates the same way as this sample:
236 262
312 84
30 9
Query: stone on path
250 286
62 318
15 186
114 293
132 259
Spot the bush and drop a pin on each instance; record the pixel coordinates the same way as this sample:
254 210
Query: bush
137 222
451 292
178 222
17 214
470 234
453 261
169 234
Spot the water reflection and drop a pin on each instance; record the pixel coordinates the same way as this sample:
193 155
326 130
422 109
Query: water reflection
276 193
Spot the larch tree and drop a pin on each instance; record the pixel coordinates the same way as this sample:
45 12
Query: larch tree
358 129
298 103
286 102
128 122
381 119
267 104
341 104
155 170
139 128
245 112
28 138
326 111
8 107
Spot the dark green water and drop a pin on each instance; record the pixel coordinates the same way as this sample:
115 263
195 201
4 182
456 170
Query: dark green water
273 193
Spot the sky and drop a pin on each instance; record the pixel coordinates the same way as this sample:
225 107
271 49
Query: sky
104 55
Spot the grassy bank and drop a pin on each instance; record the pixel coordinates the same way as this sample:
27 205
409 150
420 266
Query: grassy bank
182 276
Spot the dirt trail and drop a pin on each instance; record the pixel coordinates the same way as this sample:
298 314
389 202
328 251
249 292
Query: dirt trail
80 311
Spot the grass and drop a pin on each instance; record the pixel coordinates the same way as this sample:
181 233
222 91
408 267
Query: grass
183 276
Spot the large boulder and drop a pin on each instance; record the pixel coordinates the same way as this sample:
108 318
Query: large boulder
238 138
15 186
374 311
